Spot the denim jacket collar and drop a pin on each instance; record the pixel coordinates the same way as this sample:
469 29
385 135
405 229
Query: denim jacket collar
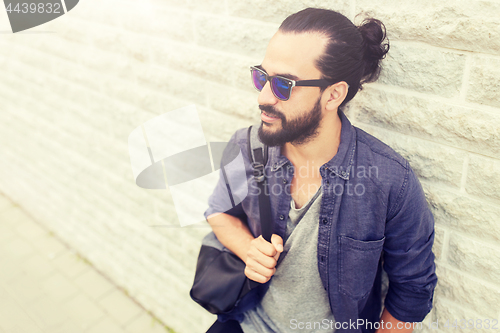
339 165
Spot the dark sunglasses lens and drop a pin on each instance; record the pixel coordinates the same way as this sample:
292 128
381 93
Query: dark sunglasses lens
281 88
259 79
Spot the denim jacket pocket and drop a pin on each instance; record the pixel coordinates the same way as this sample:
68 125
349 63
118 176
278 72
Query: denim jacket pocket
358 265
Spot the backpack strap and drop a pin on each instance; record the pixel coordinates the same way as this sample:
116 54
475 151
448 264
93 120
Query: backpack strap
258 153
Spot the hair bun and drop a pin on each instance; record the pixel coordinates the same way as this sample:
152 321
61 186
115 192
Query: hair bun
375 46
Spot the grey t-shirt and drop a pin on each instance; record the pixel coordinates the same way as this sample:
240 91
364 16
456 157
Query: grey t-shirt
296 300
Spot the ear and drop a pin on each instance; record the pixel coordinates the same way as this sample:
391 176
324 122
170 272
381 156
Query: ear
335 95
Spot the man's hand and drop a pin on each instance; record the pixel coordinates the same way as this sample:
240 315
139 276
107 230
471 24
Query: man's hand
262 257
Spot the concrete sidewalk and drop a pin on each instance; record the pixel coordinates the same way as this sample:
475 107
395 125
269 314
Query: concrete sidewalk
47 287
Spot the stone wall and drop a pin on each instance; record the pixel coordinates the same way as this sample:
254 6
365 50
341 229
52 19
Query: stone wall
73 89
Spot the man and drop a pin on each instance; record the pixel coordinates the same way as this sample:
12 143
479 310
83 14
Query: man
345 205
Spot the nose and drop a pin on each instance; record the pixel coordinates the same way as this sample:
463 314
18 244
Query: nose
266 96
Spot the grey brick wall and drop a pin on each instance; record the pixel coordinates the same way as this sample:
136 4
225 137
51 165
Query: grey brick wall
73 89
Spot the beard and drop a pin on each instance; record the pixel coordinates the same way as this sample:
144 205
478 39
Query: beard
297 131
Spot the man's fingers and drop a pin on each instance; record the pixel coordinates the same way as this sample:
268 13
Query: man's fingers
265 247
255 276
277 241
260 258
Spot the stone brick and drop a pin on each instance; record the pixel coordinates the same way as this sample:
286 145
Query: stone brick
465 214
462 25
234 101
109 14
179 84
476 258
430 161
20 80
122 43
437 248
219 126
458 126
33 58
166 215
277 11
100 62
163 22
203 6
449 314
233 70
166 3
74 29
483 82
134 95
58 47
56 92
170 103
234 35
127 117
423 69
74 73
483 177
455 287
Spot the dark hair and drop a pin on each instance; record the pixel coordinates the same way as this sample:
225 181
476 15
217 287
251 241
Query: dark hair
353 54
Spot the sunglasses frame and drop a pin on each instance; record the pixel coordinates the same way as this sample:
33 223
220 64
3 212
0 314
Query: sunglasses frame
291 83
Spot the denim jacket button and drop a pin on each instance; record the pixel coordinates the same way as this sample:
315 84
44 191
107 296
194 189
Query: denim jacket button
282 217
325 221
284 181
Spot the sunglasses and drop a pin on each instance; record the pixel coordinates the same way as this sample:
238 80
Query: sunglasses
281 86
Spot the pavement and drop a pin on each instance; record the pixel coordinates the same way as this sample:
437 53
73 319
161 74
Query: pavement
47 287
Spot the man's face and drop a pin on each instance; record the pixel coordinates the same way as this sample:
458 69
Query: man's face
296 120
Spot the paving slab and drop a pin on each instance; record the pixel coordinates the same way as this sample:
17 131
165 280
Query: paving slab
59 287
14 216
49 246
26 290
5 203
47 287
94 284
48 313
30 231
119 308
37 267
18 248
13 317
145 324
84 311
70 264
6 232
106 325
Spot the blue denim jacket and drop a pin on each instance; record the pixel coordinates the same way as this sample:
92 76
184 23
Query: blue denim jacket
373 216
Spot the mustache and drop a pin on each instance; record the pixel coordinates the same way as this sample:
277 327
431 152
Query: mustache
271 111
